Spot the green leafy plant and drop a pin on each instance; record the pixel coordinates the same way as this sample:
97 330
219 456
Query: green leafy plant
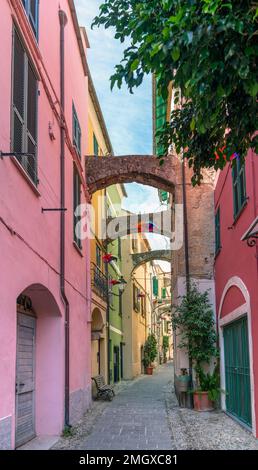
194 319
208 50
165 346
68 431
209 383
150 350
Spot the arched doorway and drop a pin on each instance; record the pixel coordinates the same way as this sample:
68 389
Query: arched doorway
98 346
39 365
235 332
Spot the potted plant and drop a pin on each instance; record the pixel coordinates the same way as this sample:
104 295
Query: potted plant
208 393
194 320
165 347
150 353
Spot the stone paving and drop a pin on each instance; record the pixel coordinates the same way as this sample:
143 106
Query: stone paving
145 415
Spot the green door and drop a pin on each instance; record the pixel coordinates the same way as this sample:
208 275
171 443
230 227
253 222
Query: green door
237 370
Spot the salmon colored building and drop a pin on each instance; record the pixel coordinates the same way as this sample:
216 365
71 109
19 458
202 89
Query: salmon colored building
45 332
236 275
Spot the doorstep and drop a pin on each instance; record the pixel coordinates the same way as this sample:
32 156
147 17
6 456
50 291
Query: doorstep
40 443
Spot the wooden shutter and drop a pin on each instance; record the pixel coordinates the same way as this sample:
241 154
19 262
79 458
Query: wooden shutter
155 284
95 145
76 203
217 231
18 94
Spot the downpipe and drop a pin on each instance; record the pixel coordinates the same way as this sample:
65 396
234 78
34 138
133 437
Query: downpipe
63 22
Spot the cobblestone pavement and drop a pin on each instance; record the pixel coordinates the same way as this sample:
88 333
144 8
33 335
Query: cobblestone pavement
145 415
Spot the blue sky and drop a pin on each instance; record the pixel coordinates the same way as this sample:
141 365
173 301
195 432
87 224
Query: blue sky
128 117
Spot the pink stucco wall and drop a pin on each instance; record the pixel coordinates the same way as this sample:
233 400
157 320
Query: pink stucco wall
235 257
29 240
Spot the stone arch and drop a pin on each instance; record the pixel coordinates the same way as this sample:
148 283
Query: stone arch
38 314
142 258
154 222
143 169
97 322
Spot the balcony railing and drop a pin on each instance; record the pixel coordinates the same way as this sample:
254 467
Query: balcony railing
99 282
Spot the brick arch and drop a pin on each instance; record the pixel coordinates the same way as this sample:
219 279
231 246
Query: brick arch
144 169
146 257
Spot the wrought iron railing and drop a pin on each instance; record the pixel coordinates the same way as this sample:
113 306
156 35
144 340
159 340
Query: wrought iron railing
99 282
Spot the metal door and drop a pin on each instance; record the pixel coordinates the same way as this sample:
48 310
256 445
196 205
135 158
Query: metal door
25 379
237 370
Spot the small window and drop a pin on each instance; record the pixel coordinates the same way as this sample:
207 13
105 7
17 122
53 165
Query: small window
76 203
98 256
32 10
24 109
136 300
164 293
76 132
239 186
95 146
217 231
155 286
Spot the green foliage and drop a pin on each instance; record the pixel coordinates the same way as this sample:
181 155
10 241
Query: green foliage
195 319
150 350
210 383
208 49
165 344
68 431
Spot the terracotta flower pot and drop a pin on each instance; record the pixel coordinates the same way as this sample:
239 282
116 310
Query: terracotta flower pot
149 370
202 402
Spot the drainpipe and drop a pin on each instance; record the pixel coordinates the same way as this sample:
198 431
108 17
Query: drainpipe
63 22
108 305
187 268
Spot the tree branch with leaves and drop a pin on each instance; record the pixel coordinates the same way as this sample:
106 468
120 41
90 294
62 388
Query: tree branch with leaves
208 50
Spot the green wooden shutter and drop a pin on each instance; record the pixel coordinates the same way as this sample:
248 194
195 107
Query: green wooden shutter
217 231
95 145
164 293
160 120
155 284
239 186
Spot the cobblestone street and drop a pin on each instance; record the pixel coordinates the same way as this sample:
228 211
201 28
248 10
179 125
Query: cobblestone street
145 415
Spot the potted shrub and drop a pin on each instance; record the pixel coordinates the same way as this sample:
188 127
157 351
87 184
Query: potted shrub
165 347
208 393
194 320
150 353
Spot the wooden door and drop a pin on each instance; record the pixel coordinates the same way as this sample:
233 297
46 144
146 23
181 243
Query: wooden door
25 379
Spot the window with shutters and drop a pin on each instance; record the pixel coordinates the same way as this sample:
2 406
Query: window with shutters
217 232
32 10
24 109
239 186
136 300
76 203
95 145
155 286
76 132
98 256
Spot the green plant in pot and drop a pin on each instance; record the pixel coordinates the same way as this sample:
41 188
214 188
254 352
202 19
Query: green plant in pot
165 347
150 353
194 320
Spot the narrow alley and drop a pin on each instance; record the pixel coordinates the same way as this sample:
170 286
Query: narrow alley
147 416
